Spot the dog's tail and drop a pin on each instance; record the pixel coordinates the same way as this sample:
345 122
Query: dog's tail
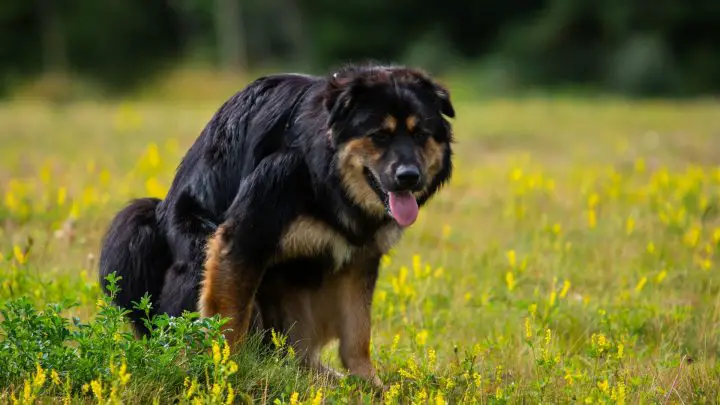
136 249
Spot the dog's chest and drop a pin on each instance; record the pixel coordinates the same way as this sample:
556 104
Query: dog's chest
310 237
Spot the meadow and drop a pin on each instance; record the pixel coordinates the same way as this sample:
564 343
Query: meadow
573 259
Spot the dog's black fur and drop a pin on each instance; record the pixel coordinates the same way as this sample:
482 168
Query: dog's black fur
286 147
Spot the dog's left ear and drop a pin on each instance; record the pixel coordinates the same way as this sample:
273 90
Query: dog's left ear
441 93
446 106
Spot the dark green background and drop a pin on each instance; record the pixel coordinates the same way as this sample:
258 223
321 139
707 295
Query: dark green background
662 47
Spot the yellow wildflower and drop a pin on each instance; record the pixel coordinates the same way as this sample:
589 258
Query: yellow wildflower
155 188
123 376
477 379
565 289
568 377
216 353
40 377
548 336
629 225
421 337
230 395
61 196
591 218
20 256
318 397
55 377
216 390
651 247
396 340
517 174
604 386
432 357
510 280
446 231
28 395
11 201
528 329
153 155
96 386
640 284
511 257
226 351
191 389
692 236
392 393
639 165
593 200
618 393
553 298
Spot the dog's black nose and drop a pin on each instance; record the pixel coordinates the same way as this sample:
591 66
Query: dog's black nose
407 176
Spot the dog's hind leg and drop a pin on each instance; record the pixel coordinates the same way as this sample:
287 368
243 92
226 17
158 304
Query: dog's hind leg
180 289
135 247
244 245
229 287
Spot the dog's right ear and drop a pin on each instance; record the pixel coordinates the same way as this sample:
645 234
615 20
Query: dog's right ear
337 98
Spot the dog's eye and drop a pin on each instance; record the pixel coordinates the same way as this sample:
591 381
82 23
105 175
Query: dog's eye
422 136
380 137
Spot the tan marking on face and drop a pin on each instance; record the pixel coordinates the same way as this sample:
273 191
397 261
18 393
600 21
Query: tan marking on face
390 123
308 236
410 122
353 158
432 157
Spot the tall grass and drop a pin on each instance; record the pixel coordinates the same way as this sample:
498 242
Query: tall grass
572 259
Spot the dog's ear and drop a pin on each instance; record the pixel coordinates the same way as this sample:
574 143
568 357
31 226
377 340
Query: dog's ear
443 96
441 93
337 98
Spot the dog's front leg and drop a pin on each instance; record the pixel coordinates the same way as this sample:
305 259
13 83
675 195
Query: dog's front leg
356 290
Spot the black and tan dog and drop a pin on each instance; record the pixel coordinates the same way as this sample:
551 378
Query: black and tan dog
285 204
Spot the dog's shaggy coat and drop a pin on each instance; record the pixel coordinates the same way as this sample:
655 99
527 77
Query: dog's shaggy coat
285 204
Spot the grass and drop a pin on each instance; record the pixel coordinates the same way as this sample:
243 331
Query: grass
572 259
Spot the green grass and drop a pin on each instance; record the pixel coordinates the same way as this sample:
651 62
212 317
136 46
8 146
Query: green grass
572 259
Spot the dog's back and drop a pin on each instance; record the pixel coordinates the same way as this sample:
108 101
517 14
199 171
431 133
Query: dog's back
157 246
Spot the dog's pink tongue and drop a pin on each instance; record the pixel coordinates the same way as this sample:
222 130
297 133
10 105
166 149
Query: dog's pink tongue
403 208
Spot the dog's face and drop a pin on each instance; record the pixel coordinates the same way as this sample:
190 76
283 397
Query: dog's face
392 141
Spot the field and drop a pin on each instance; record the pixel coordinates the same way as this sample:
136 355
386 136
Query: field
574 258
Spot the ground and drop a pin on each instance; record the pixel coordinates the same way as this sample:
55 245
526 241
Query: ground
573 258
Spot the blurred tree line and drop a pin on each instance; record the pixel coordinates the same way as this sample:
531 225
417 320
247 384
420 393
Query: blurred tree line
632 46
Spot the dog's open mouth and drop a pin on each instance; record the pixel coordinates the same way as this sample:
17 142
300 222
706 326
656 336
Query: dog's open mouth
400 205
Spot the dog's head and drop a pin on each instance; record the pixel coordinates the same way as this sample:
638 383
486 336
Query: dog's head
392 140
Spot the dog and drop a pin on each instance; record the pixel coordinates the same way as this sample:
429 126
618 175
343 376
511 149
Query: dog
284 206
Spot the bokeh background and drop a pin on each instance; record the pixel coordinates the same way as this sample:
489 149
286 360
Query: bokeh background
631 47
